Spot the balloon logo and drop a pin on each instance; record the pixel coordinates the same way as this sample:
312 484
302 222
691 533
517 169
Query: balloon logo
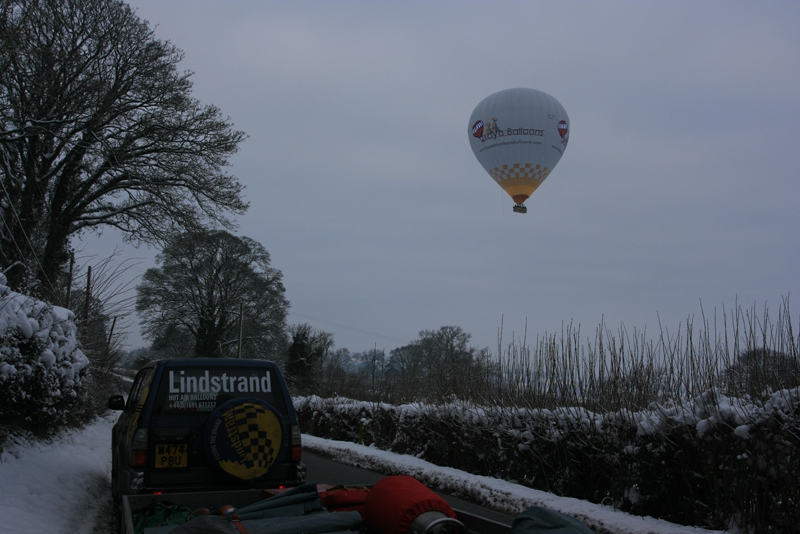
525 140
477 129
562 128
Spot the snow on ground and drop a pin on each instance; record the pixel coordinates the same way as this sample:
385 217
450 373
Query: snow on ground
58 487
63 486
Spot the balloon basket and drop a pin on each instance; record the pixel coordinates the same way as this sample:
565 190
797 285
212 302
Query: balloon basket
519 208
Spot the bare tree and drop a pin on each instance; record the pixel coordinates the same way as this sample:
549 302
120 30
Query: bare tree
438 364
98 129
338 376
407 370
306 355
374 374
217 290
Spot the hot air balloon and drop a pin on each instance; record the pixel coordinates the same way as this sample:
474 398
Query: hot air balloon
518 136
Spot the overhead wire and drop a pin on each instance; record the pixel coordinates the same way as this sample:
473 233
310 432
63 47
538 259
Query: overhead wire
310 317
346 327
27 238
305 316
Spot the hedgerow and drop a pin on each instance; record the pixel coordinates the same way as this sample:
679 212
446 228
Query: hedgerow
712 462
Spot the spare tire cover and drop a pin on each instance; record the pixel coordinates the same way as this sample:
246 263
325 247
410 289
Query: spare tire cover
245 439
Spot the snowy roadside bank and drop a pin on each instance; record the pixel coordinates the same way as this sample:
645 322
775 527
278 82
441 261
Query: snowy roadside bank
63 486
58 487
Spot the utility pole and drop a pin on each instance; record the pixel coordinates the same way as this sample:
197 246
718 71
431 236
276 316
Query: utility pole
69 282
88 292
110 333
374 364
241 315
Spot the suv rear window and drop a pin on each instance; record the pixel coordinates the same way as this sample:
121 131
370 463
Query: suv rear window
196 390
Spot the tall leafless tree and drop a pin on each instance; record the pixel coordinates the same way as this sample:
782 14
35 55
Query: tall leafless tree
98 129
212 290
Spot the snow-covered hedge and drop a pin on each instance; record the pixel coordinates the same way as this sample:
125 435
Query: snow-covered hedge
41 366
708 462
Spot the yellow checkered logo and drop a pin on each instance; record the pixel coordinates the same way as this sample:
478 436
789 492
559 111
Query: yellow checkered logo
254 438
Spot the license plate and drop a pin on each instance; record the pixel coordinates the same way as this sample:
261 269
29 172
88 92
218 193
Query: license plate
171 455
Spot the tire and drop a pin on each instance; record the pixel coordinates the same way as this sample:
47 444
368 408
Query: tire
245 439
119 524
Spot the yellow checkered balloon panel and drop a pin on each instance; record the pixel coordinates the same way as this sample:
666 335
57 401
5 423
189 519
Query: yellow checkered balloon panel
519 179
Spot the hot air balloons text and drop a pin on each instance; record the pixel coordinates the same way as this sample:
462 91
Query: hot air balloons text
518 136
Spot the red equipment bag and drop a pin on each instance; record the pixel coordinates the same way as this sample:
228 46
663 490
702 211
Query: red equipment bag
344 498
394 502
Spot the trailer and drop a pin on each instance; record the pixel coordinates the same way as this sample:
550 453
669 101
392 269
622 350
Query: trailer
464 522
472 523
393 505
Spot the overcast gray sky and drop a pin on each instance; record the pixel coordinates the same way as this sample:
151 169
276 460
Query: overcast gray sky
680 184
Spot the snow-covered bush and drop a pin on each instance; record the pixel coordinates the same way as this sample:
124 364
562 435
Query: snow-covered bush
41 366
710 461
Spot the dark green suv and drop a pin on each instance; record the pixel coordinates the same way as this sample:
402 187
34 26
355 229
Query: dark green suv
205 424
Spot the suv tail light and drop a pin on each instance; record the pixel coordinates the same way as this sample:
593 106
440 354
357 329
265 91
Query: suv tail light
297 447
139 448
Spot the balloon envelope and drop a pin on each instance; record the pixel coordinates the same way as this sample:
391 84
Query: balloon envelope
518 136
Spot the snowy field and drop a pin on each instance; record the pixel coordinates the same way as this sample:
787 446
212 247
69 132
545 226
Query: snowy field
64 486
